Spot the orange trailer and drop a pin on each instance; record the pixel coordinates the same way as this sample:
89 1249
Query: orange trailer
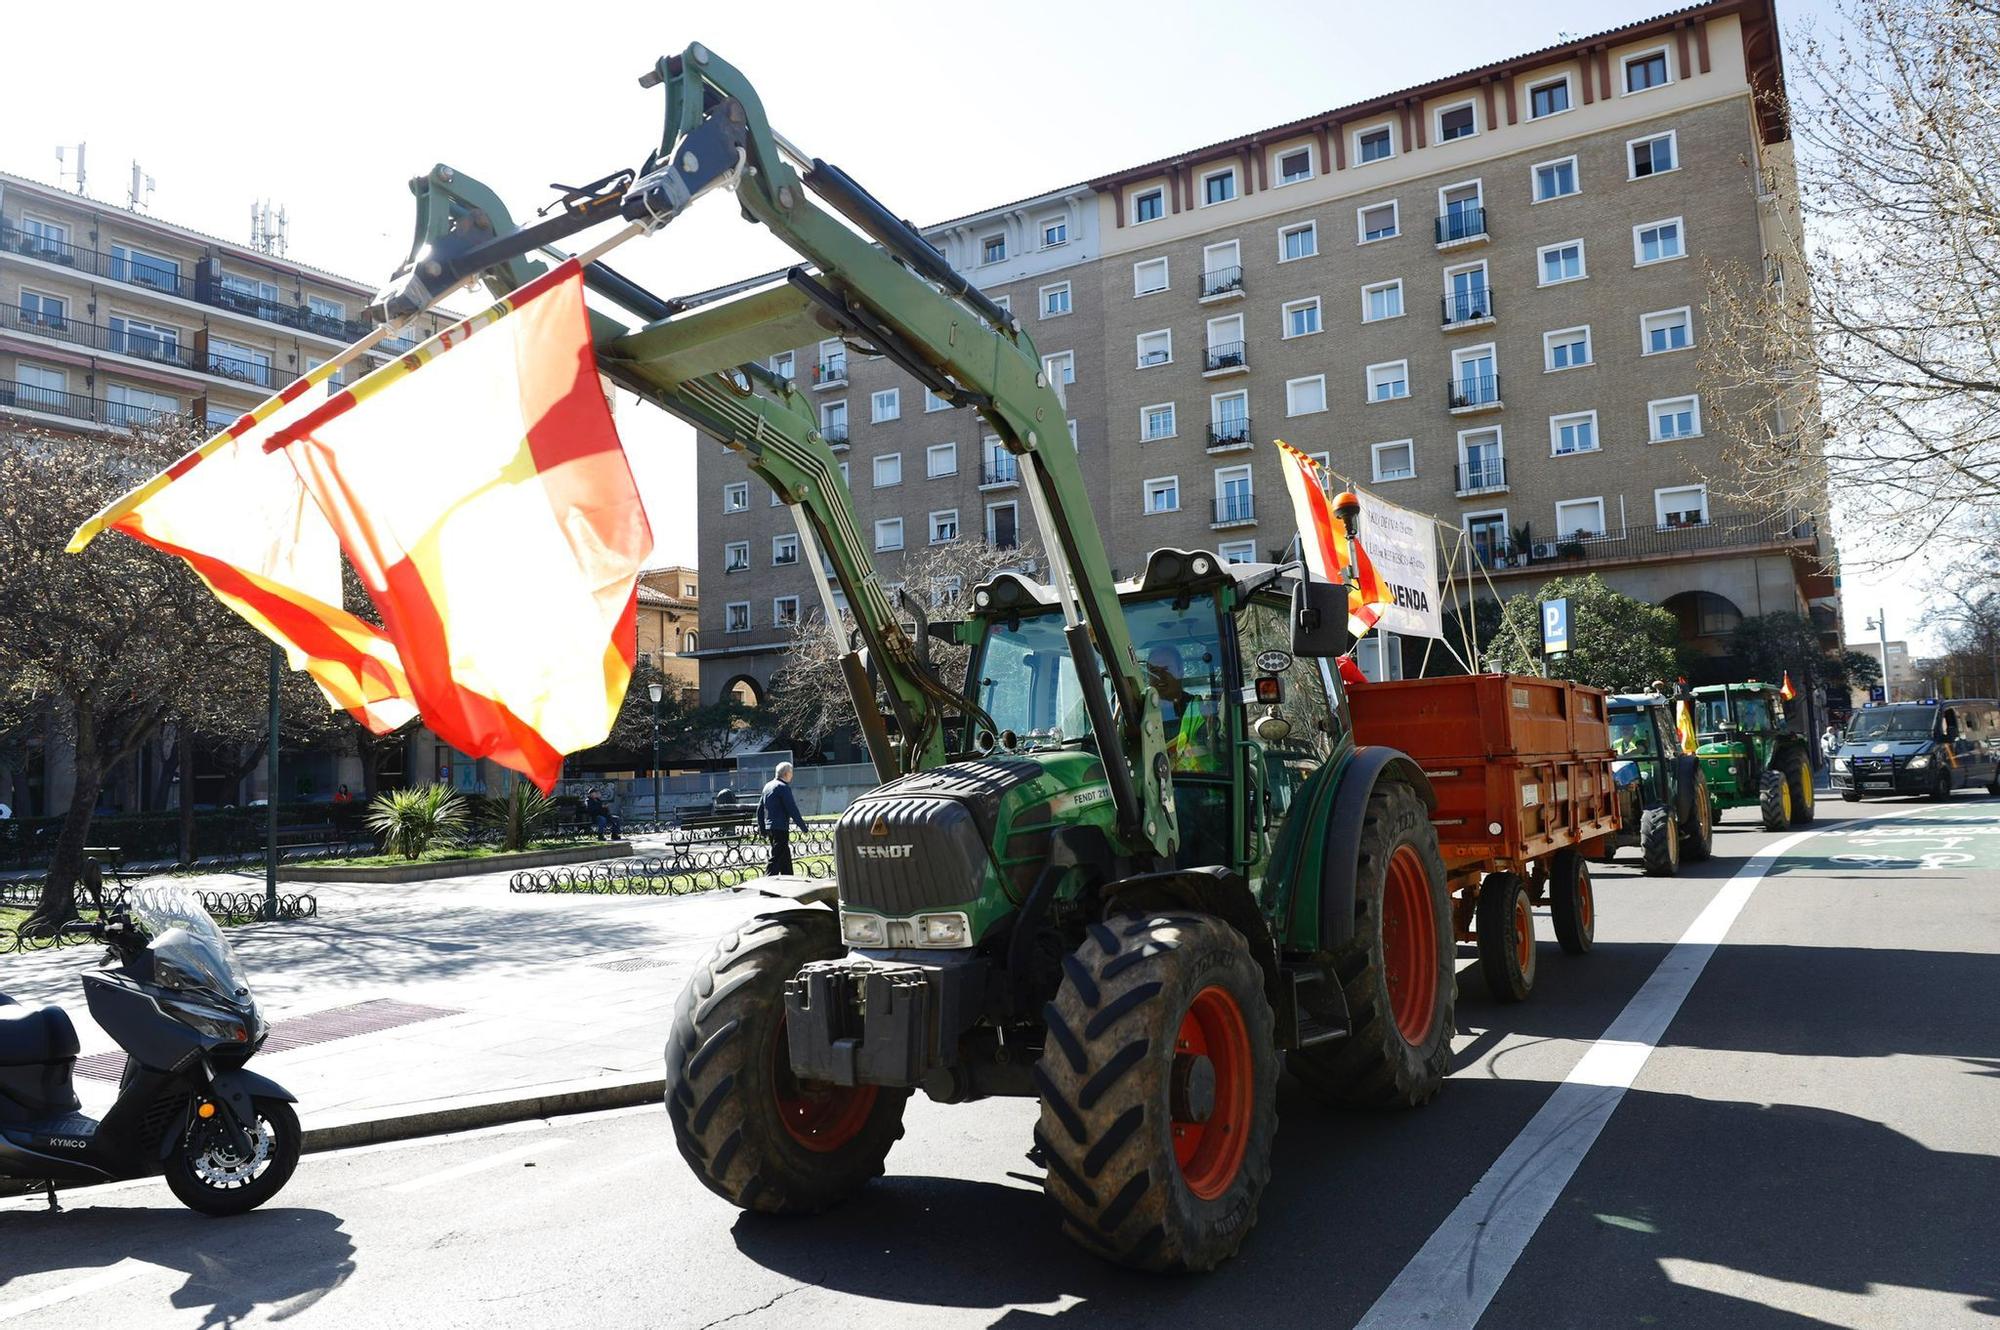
1522 771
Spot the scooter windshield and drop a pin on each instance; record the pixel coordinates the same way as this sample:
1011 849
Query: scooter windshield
189 951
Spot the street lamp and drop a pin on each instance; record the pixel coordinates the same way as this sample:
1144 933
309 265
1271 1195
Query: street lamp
656 692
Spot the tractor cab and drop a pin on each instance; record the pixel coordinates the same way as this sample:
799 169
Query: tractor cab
1752 759
1664 802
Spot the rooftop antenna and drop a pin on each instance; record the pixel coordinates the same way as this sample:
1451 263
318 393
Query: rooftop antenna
141 194
62 166
267 228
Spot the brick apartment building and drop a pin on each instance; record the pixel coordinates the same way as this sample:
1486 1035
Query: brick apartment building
1481 298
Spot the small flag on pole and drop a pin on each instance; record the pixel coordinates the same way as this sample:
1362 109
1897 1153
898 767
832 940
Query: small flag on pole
1785 690
1684 725
1323 538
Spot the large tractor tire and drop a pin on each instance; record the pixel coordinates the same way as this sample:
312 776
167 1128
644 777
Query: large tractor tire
1660 842
754 1133
1159 1086
1774 799
1506 937
1798 774
1399 970
1697 833
1572 904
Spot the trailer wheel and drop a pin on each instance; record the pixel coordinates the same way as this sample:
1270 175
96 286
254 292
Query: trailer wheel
1572 903
1798 775
1159 1088
1774 799
755 1134
1660 842
1506 937
1398 972
1698 840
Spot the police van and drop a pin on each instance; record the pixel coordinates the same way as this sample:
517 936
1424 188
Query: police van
1930 747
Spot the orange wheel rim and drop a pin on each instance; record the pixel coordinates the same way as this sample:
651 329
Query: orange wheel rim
1210 1153
1409 946
1586 905
820 1116
1524 933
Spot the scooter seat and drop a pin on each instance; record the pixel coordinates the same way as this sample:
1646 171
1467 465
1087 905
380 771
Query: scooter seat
31 1035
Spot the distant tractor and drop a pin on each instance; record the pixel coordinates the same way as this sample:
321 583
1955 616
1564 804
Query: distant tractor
1752 760
1664 798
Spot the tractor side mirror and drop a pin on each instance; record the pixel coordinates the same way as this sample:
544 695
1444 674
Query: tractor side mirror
1319 619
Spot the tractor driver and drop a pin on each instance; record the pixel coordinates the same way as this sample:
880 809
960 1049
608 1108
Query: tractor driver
1193 741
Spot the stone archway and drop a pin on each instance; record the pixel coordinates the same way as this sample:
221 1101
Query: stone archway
1706 620
744 689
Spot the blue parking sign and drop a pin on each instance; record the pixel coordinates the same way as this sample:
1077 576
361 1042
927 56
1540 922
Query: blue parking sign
1555 626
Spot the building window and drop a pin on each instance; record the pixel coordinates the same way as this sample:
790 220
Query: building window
885 405
1149 206
1396 460
1221 268
1378 221
1383 300
1467 296
736 556
1229 419
1219 187
1674 418
784 611
1225 343
944 526
1163 495
1005 302
1298 242
1482 461
1156 348
1576 433
1681 505
1555 180
1656 242
1652 156
1301 317
1060 367
1561 263
44 238
40 311
736 616
784 550
736 496
932 402
833 421
1055 231
1665 331
1389 381
146 269
1295 166
233 360
136 337
1237 551
1305 397
1475 380
1373 145
785 365
888 533
1579 519
888 470
1003 526
993 249
127 405
1549 98
1235 495
1646 71
941 459
1566 348
1055 300
1148 276
832 367
1157 422
1457 122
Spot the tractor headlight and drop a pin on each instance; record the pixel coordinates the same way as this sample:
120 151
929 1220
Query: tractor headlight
863 930
944 930
1920 761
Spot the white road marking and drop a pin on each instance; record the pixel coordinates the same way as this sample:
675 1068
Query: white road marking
126 1269
467 1169
1448 1284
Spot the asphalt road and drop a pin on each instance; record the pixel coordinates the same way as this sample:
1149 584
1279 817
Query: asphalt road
1770 1097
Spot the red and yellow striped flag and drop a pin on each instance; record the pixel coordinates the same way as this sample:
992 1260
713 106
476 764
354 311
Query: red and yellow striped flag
487 505
1323 537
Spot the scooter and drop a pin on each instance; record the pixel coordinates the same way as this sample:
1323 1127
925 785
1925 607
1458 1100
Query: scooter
171 993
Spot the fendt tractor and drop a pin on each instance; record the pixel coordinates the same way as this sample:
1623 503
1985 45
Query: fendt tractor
1752 760
1124 866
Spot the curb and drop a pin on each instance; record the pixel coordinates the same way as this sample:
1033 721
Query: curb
490 1110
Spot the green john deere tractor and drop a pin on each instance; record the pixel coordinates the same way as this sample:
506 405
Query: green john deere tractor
1752 760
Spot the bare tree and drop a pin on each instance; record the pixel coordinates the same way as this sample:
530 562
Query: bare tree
809 698
1864 362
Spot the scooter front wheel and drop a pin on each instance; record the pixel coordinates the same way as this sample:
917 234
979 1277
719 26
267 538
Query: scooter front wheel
209 1172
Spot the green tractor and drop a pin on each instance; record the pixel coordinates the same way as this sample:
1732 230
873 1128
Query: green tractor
1752 760
1663 794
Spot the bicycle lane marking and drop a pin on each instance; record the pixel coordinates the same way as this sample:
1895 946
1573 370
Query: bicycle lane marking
1456 1273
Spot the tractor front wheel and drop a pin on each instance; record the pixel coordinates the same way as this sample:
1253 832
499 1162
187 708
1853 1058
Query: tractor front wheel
1506 937
1660 842
1698 837
752 1131
1159 1089
1798 773
1774 799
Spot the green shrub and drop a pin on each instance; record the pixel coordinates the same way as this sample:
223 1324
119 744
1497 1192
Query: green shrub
413 820
525 815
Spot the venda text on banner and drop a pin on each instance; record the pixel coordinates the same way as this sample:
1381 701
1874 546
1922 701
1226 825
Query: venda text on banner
1404 547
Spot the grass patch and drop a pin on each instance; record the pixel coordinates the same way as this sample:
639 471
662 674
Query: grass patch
439 855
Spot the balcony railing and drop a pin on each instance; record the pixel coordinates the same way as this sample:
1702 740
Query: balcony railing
1466 306
1233 432
1727 531
835 435
999 471
1224 355
1471 390
1222 281
243 371
1235 507
828 372
1481 477
76 406
1461 224
76 332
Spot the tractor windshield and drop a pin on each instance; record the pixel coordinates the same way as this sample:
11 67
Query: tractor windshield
1632 734
1897 723
1749 712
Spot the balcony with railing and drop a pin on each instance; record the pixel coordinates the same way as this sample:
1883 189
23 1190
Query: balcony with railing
1225 358
998 472
1222 283
830 373
257 373
97 337
1234 508
1469 394
1228 434
77 406
835 435
1716 533
1461 226
1468 309
1486 475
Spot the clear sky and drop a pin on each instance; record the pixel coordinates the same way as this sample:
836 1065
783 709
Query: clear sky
938 109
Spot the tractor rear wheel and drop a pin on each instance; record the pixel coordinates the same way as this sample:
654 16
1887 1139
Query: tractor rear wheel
1798 772
1399 970
1572 904
1698 836
1506 937
1660 842
1159 1087
753 1132
1774 799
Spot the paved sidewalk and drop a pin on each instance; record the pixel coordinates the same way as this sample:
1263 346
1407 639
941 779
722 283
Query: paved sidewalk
535 1002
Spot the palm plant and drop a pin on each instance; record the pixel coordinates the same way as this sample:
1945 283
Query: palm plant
413 820
527 814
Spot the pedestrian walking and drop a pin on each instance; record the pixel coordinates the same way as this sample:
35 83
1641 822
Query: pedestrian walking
777 814
1829 743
